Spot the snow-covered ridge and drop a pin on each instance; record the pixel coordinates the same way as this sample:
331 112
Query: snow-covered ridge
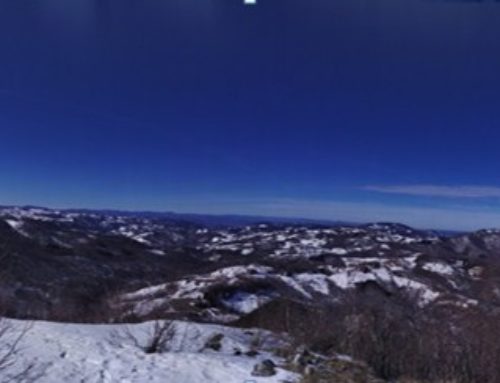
233 291
80 226
313 242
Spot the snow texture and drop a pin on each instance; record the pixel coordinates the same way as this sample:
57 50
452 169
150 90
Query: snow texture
81 353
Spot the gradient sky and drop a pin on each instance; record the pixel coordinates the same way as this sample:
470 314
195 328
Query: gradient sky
358 110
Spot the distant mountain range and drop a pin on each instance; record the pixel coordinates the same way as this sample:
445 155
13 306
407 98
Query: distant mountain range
224 268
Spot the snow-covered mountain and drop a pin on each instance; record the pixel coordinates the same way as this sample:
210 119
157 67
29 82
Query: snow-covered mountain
146 266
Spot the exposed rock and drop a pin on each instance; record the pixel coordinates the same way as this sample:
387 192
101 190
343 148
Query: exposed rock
265 368
215 342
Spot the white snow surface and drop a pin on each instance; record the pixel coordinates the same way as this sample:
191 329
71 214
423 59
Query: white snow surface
16 225
244 303
439 268
82 353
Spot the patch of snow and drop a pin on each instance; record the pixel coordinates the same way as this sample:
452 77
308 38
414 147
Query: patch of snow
349 278
157 252
16 225
244 303
146 307
235 271
424 293
145 292
188 290
247 251
438 268
338 251
295 285
317 282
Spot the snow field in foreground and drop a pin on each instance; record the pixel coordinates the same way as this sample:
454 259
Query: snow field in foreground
96 354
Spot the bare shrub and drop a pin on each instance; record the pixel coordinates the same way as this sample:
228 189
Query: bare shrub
402 341
11 336
157 339
261 339
10 339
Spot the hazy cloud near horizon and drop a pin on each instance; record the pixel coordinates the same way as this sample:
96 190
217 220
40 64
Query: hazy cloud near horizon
460 191
448 218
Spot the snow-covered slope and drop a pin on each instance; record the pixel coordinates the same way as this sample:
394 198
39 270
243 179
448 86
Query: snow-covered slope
71 353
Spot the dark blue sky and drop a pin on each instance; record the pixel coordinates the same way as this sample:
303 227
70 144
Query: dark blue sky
345 109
